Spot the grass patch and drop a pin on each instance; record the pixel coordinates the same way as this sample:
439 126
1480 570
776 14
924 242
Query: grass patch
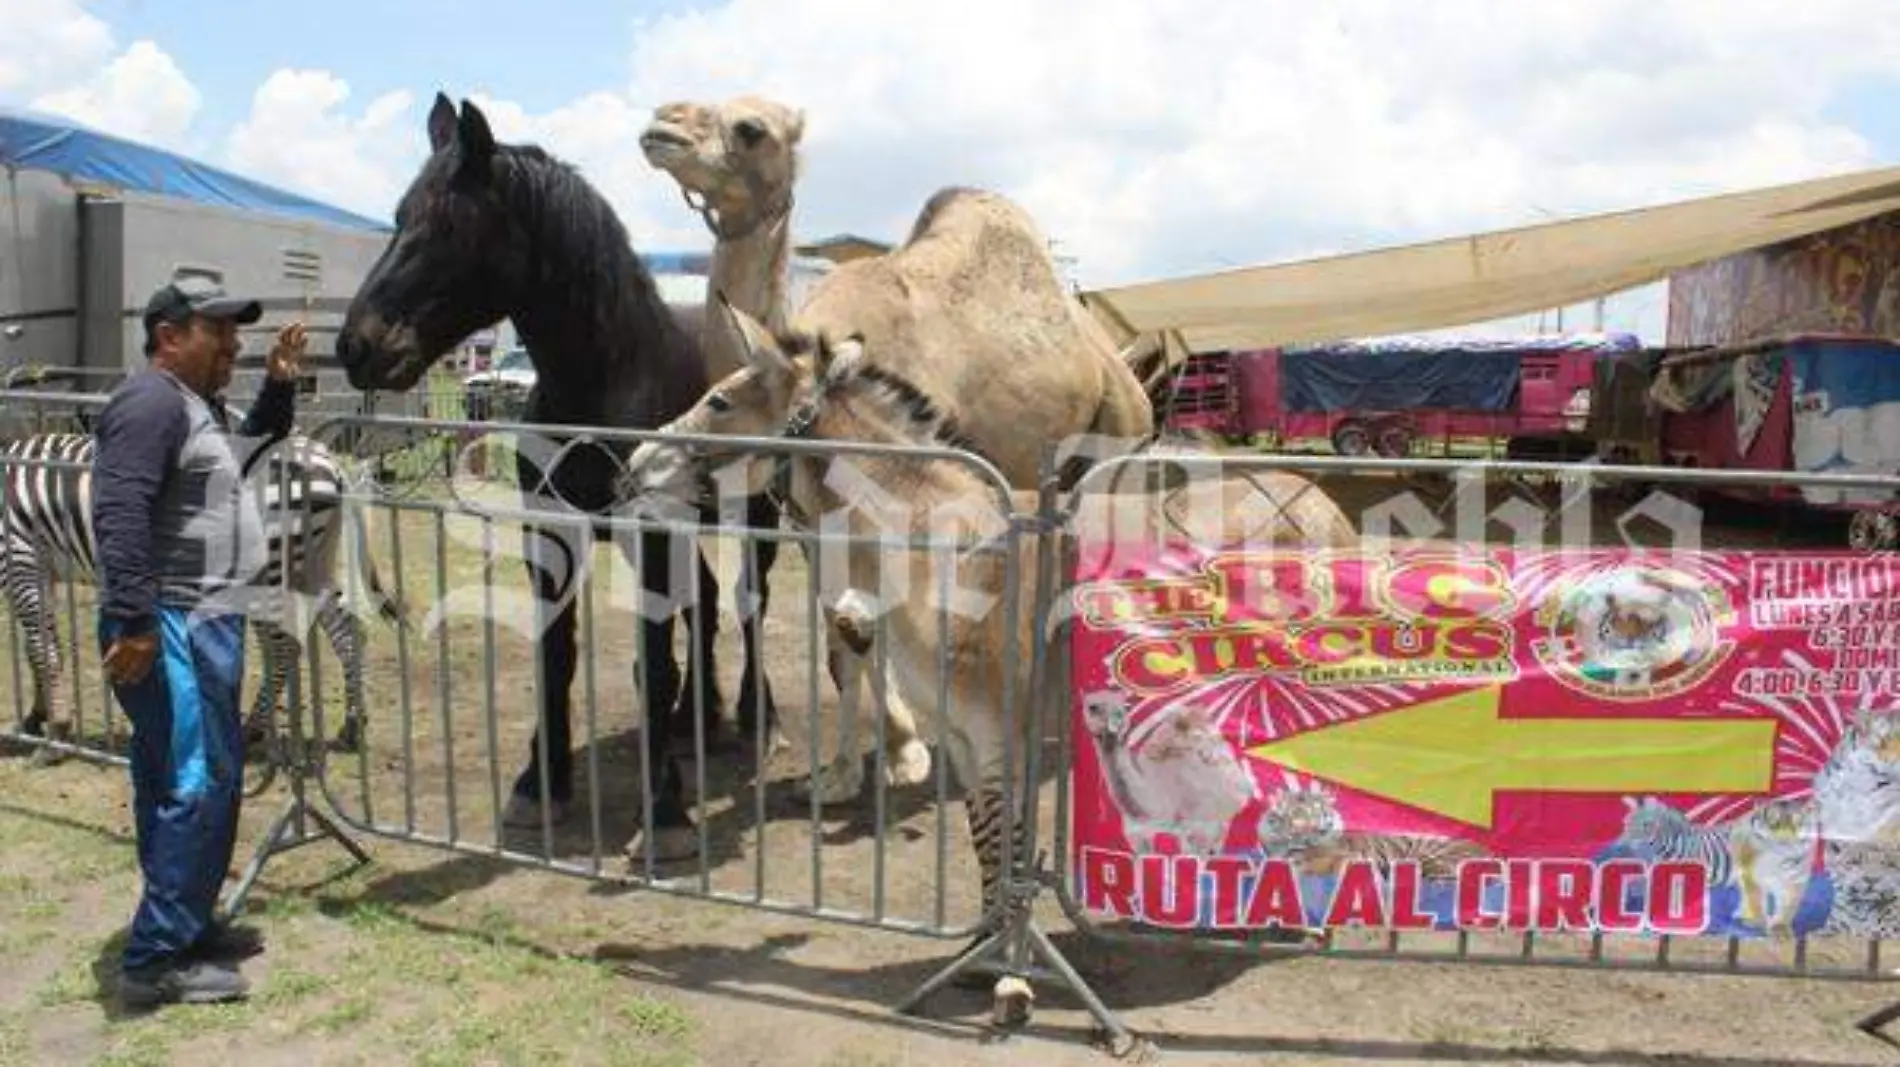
348 1014
14 1043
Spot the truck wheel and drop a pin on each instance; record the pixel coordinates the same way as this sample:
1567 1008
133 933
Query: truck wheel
1351 439
1393 442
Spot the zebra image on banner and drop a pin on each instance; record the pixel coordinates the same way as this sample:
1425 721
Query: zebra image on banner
1602 740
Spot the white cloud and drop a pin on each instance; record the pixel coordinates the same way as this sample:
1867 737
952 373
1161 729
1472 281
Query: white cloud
61 59
45 41
297 135
1155 139
141 95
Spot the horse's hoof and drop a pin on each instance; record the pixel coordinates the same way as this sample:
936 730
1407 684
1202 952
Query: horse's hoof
524 813
1012 1003
910 765
670 845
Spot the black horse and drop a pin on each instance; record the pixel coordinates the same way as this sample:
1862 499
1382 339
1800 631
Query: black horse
487 231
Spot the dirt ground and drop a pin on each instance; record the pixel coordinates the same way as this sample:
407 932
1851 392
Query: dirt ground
437 956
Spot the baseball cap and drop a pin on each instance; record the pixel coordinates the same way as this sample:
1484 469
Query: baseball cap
179 300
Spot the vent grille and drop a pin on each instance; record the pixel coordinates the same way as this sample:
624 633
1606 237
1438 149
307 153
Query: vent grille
303 266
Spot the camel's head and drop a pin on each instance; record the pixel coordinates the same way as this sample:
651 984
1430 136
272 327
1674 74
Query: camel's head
757 400
736 160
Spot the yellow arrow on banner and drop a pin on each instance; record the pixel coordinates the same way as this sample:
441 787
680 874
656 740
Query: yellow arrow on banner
1450 756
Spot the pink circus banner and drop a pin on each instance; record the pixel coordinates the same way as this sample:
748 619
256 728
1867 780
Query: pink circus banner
1598 740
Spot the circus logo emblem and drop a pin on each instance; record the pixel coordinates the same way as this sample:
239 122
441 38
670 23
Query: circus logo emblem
1633 633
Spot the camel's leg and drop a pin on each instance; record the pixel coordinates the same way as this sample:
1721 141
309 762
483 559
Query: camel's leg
754 596
840 779
906 756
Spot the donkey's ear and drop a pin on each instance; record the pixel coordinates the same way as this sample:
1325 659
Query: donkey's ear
474 138
441 123
755 343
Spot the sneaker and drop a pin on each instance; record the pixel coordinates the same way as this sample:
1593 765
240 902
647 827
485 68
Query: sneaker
197 982
228 942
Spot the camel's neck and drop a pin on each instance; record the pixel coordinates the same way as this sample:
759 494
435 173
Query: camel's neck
754 274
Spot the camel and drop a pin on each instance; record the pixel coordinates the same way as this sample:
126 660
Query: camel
736 163
971 308
977 644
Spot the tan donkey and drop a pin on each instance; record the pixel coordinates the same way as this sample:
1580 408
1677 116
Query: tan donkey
804 387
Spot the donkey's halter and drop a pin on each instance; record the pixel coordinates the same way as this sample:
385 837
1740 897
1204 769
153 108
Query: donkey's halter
763 211
798 427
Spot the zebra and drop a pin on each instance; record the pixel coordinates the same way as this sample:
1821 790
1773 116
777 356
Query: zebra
1656 832
46 532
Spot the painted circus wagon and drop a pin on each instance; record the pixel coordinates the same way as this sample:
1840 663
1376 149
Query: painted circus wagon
1813 403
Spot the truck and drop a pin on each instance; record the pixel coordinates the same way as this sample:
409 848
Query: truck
91 223
1390 396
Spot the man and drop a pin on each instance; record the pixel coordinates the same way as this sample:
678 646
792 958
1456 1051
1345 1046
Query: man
179 540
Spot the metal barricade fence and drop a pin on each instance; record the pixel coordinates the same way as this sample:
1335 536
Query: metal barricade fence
1204 889
454 711
456 715
59 704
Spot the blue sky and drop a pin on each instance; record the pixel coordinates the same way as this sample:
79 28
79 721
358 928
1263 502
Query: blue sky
505 47
1148 139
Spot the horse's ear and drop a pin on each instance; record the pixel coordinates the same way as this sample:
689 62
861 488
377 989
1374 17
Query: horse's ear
474 137
441 123
795 127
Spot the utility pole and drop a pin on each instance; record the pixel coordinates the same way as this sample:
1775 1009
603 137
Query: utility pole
1065 266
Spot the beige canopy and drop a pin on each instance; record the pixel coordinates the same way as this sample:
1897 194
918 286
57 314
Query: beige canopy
1474 279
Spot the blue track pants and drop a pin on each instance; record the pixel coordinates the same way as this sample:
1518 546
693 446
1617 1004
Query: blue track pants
187 777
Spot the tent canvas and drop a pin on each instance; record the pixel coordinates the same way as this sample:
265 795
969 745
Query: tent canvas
33 141
1463 280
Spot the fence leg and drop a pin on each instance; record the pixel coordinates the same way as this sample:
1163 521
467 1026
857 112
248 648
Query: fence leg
1874 1025
289 829
1018 937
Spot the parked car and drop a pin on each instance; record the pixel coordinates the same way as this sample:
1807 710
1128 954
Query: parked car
500 390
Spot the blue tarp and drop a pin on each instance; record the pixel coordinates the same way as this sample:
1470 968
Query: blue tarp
1459 379
1846 409
32 141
